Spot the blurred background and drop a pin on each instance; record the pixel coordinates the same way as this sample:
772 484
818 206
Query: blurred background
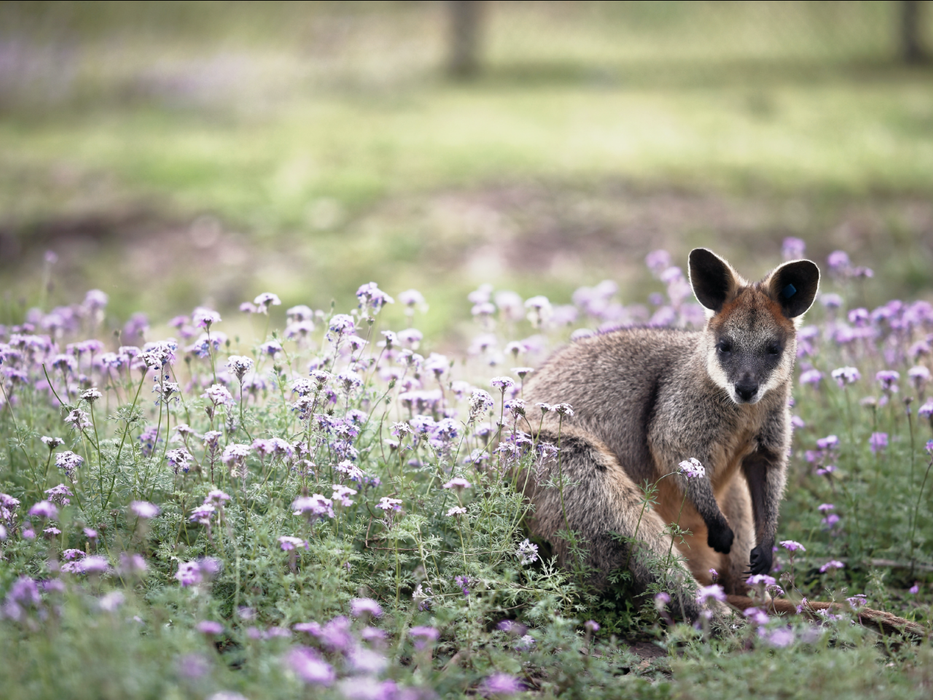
182 153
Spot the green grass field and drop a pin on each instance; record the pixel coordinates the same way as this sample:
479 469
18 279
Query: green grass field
331 151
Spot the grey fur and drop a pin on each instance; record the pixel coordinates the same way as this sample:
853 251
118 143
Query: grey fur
644 400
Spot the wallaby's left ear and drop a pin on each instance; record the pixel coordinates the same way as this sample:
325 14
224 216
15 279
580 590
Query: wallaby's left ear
794 285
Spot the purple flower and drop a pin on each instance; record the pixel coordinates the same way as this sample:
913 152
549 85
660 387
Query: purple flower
367 662
313 507
335 635
658 261
828 443
457 484
93 564
342 495
527 552
144 509
365 606
91 395
371 297
209 627
264 301
239 365
193 666
456 510
68 462
216 496
148 439
705 593
888 379
204 318
563 409
218 394
110 602
915 589
793 248
878 441
591 626
831 564
825 507
180 459
919 375
132 565
501 684
792 546
756 616
502 383
423 635
235 454
387 504
857 601
44 509
309 667
780 637
692 468
838 261
203 514
411 297
811 376
289 543
846 375
340 325
189 574
480 403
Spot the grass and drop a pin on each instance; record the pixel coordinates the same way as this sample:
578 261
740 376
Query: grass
347 163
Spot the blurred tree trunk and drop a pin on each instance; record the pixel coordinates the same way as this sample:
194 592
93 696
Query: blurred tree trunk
912 50
465 18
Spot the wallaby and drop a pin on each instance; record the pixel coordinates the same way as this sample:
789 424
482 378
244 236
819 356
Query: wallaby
646 399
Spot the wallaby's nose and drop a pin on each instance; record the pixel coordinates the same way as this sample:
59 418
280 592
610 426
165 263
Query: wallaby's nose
746 389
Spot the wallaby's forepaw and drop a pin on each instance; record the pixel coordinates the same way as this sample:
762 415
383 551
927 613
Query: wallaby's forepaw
760 560
720 538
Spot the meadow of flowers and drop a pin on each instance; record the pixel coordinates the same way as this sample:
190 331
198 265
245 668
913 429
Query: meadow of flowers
326 509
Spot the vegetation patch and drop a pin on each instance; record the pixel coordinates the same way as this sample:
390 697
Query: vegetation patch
331 505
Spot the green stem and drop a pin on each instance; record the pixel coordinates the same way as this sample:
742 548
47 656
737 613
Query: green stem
126 430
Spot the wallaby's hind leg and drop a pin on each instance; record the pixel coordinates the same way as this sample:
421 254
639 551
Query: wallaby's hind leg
737 507
600 500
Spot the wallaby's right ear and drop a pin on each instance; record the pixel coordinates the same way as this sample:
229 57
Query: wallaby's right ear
712 278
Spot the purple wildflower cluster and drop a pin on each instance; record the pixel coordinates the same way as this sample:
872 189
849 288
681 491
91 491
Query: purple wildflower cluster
345 405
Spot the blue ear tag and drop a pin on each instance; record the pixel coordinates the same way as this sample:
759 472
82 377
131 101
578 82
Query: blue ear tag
788 291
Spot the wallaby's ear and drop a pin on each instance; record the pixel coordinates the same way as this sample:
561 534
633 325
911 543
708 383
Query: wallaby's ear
794 285
712 278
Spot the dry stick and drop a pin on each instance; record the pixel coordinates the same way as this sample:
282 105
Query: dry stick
878 620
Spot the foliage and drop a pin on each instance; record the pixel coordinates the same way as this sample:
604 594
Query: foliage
335 507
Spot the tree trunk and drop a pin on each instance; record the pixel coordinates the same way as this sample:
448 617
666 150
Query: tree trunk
465 17
911 45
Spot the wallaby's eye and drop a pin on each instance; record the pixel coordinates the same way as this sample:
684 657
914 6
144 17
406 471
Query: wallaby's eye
773 349
724 346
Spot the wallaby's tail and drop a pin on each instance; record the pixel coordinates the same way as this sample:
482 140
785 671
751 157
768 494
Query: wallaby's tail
878 620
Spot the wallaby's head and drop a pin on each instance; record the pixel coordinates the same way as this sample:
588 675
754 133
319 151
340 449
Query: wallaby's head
751 337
